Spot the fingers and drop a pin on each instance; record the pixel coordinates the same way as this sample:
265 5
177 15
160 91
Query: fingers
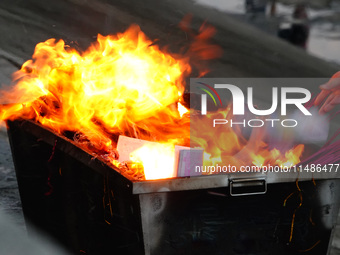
330 103
332 84
321 97
325 107
330 92
336 75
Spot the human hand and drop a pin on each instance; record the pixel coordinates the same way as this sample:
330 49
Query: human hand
329 97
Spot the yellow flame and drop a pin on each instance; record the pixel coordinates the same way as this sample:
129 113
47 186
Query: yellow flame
181 109
157 160
126 85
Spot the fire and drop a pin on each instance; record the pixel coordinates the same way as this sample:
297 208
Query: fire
121 85
157 160
126 85
181 109
227 145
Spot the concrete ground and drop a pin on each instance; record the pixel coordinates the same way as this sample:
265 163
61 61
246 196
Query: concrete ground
248 52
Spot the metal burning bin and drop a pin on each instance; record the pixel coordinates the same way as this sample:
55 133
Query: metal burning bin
91 208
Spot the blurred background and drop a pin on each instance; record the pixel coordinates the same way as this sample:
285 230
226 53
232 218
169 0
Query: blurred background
321 19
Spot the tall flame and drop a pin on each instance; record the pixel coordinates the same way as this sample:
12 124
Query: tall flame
126 85
123 84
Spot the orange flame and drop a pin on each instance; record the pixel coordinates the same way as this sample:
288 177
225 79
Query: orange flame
226 145
126 85
122 84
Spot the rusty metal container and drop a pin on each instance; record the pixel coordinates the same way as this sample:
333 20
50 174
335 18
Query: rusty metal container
89 207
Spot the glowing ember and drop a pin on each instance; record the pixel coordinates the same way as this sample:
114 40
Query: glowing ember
126 85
